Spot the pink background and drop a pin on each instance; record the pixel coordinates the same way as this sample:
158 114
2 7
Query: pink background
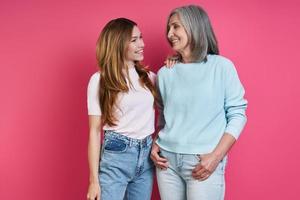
47 54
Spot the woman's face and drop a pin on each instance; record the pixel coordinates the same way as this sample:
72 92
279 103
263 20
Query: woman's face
177 35
135 50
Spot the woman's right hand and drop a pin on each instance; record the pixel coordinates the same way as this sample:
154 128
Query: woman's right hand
159 161
93 192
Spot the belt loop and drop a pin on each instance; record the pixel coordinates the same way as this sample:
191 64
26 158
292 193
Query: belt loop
146 141
130 142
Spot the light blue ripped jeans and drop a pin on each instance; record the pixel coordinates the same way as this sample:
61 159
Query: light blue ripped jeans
177 183
126 170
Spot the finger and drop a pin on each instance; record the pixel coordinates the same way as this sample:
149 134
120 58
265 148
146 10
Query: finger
197 168
162 167
162 164
92 198
200 172
201 175
156 157
204 178
88 196
161 159
154 154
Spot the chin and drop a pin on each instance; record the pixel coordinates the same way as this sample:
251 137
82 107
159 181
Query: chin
140 58
175 48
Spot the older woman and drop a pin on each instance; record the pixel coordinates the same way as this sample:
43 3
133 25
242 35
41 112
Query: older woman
202 111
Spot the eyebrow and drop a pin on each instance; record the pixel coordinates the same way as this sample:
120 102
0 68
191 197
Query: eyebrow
136 36
173 23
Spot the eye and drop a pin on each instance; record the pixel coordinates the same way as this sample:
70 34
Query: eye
133 40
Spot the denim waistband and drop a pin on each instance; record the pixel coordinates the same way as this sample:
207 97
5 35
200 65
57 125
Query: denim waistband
129 141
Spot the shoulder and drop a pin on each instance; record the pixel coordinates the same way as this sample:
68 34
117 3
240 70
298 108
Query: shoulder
152 77
94 80
95 77
163 70
221 60
218 59
222 63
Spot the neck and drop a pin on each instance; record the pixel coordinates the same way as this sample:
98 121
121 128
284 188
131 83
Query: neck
186 56
130 64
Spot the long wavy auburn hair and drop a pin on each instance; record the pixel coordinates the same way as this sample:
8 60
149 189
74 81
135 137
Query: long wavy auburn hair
111 51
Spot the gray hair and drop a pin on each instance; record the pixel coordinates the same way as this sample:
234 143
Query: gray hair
199 30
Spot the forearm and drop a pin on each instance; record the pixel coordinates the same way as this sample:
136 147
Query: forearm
94 155
224 146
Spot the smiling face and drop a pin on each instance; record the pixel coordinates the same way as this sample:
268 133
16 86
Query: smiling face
177 35
135 49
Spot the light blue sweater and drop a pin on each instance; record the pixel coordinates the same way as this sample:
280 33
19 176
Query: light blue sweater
199 103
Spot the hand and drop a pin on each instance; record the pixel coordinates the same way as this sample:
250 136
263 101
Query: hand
207 165
171 61
93 192
159 161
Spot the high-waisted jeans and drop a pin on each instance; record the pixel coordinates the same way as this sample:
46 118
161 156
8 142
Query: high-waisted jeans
177 183
126 170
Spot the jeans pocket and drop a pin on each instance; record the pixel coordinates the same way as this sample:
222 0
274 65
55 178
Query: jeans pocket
115 145
198 157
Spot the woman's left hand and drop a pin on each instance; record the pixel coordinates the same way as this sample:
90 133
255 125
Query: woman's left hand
171 61
207 165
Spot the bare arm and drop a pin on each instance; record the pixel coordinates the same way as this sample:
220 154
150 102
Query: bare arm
93 157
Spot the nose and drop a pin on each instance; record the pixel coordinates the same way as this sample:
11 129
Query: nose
170 33
141 43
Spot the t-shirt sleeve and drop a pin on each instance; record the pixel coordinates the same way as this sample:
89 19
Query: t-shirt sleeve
93 95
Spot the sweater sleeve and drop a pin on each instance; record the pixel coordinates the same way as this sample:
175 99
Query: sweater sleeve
92 95
235 104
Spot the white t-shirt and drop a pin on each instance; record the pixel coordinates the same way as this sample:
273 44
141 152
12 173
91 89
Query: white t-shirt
135 110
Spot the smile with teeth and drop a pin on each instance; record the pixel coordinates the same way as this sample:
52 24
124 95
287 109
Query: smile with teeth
174 41
140 51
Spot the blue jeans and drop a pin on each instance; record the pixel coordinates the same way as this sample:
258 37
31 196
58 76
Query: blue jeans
126 170
177 183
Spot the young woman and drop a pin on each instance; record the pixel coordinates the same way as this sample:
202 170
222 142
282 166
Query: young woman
121 100
203 111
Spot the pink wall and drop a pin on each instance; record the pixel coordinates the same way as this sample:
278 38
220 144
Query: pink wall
47 53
